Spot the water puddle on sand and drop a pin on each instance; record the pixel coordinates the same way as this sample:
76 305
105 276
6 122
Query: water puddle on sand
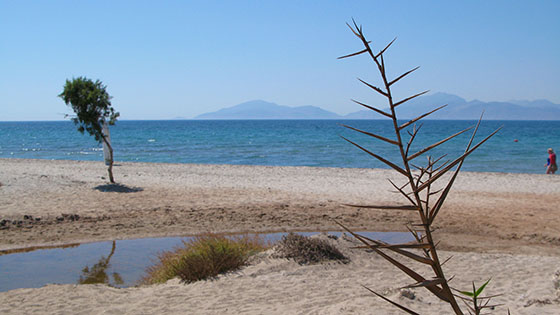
120 263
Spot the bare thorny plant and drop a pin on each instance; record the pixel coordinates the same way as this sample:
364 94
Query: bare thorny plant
418 188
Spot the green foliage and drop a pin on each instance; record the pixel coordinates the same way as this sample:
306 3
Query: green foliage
476 292
475 302
204 257
305 250
91 103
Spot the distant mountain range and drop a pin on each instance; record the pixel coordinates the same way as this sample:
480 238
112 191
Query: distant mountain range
457 108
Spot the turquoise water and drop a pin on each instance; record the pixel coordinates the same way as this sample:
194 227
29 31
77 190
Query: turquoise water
280 142
129 261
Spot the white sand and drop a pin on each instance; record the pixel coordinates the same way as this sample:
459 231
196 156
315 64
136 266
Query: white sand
488 217
279 286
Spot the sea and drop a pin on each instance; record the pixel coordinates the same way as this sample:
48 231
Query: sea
519 147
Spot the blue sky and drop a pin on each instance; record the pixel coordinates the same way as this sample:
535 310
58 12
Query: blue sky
168 59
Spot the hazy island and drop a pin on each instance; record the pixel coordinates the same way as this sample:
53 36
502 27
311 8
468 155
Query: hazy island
457 108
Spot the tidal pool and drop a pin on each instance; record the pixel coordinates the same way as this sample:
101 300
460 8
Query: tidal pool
120 263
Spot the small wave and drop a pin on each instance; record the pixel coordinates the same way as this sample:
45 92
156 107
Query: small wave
151 140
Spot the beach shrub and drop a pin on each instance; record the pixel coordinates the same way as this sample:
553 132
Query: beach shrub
305 250
204 257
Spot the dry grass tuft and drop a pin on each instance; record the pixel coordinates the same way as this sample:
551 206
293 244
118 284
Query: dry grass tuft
305 250
204 257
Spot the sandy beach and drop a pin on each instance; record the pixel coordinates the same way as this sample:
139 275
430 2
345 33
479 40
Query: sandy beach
508 223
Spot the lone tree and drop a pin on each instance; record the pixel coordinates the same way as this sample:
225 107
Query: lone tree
92 105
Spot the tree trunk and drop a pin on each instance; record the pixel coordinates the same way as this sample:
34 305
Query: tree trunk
110 167
110 171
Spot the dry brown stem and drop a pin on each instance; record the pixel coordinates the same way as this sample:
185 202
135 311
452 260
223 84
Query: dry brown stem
418 188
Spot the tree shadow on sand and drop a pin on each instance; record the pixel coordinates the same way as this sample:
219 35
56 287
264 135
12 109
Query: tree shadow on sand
120 188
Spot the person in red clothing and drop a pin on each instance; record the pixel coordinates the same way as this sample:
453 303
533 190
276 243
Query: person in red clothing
551 165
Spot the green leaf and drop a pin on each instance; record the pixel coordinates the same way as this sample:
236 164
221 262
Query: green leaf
467 293
477 293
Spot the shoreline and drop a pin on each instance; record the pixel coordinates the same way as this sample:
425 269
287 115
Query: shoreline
119 163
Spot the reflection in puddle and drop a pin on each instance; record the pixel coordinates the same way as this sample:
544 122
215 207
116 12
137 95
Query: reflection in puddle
98 273
123 266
